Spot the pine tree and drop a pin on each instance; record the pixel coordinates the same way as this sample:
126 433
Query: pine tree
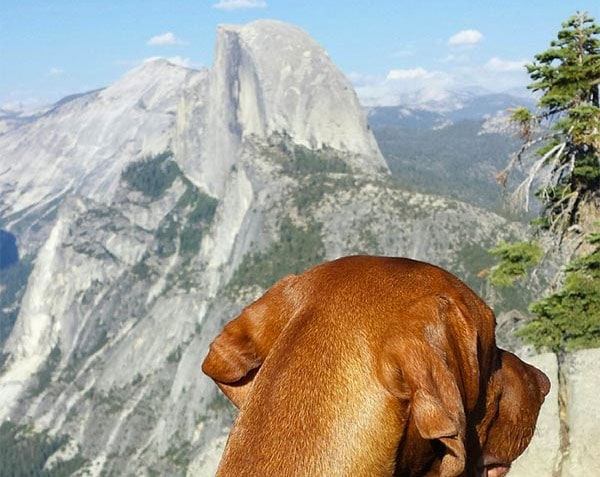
570 318
563 138
562 144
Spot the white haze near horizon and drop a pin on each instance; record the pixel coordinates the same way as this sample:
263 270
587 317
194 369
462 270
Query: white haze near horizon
416 88
420 88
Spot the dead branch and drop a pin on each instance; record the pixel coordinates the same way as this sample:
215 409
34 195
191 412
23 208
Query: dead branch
521 194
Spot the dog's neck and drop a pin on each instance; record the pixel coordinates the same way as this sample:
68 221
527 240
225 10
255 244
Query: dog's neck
331 423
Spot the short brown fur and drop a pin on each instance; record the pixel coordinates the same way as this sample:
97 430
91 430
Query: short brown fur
370 366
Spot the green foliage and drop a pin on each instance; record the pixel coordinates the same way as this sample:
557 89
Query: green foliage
24 452
182 228
44 375
586 170
312 190
142 270
299 245
3 358
299 161
203 208
317 171
201 211
521 115
179 452
175 355
568 71
583 122
570 318
515 260
13 281
166 236
153 175
297 249
111 403
476 264
455 161
525 120
304 161
137 379
186 224
567 76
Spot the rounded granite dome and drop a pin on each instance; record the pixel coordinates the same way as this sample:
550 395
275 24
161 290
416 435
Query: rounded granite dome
287 82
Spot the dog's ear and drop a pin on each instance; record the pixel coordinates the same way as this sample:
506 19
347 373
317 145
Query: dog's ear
519 390
240 349
423 361
438 413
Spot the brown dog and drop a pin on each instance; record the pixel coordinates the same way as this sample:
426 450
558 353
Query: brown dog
372 366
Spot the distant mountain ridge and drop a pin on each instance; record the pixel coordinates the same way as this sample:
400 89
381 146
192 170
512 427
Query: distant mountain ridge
454 107
453 146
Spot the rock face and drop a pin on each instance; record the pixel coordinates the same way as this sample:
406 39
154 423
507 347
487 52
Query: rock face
154 209
81 145
565 441
582 417
543 454
271 89
254 92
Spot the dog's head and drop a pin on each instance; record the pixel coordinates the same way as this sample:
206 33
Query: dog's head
515 394
466 404
429 361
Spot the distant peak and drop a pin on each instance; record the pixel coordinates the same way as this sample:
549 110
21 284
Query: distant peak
159 62
263 24
268 31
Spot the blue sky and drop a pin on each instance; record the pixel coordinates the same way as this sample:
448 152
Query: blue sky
52 48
